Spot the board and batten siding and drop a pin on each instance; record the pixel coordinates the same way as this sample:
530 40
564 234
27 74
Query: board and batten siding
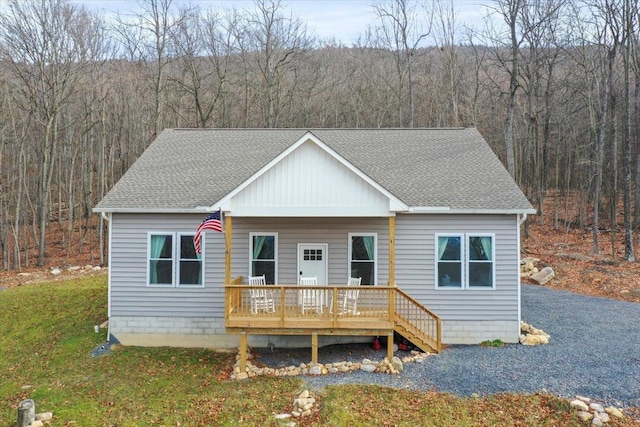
415 266
130 295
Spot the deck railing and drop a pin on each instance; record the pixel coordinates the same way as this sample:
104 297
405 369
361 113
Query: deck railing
282 306
274 309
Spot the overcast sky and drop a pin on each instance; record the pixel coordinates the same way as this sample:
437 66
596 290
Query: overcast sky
343 20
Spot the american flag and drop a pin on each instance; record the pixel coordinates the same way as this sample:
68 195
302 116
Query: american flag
212 222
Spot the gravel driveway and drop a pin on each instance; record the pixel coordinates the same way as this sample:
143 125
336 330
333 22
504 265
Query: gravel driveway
594 351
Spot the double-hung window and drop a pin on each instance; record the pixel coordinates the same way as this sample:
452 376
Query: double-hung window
263 252
173 261
362 257
465 261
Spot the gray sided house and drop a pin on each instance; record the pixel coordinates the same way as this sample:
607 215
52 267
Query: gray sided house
423 218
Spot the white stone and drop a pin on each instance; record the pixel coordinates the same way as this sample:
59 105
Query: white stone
282 416
44 416
596 407
37 423
87 267
96 268
596 422
295 413
73 268
543 276
397 364
55 271
604 417
368 368
316 370
585 416
584 399
614 412
579 404
242 376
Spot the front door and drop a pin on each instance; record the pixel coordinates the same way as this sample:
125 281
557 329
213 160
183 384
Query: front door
312 261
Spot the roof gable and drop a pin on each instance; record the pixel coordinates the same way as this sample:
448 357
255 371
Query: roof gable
302 181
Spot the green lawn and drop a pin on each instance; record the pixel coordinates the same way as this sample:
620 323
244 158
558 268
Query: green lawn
46 339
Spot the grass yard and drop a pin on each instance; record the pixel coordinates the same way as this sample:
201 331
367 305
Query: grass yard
46 339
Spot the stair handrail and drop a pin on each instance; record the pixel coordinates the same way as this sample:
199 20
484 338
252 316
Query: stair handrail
430 315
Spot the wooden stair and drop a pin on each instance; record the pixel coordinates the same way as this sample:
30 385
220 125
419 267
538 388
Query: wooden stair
417 323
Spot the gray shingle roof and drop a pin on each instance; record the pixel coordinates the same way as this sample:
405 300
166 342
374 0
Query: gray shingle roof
187 168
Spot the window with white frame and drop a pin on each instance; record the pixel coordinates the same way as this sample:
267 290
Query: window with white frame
449 251
465 261
263 253
480 261
363 256
173 261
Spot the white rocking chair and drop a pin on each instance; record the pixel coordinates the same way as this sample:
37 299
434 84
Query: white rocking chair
261 299
348 299
310 299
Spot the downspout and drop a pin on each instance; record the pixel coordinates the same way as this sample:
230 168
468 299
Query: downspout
523 219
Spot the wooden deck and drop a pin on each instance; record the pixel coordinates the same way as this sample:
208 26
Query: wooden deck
371 315
378 311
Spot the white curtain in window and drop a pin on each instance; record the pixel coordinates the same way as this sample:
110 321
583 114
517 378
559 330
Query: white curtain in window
442 246
368 246
157 243
486 246
258 243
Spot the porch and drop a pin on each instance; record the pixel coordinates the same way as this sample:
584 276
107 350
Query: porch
372 311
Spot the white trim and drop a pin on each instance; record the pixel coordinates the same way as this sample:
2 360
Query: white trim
203 248
492 211
225 202
429 209
462 263
518 222
375 254
309 211
493 260
275 252
198 209
110 231
173 258
325 256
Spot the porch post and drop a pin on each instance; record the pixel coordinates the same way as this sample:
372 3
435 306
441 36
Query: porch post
390 346
227 252
243 352
392 251
314 347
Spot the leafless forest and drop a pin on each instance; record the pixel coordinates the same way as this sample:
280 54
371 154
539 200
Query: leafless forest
553 85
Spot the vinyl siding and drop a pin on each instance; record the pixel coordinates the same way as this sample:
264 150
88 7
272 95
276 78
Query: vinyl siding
415 262
130 296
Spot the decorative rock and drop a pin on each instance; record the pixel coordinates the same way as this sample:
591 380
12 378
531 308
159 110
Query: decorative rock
614 412
596 407
87 267
397 364
44 416
96 268
24 274
74 268
579 404
55 271
368 367
282 416
585 416
316 370
37 423
596 422
531 339
543 276
586 400
242 376
604 417
295 413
